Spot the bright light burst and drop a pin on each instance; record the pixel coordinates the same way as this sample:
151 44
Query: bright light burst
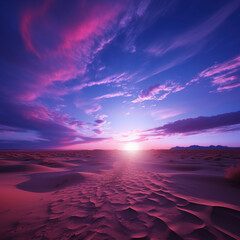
132 146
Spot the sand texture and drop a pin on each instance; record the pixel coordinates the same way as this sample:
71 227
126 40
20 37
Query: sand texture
164 194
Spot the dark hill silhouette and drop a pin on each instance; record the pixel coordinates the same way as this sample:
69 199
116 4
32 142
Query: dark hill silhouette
203 147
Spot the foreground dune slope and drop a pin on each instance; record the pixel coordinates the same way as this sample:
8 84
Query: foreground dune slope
118 195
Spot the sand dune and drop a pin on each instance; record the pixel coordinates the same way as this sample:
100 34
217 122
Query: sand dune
48 182
115 195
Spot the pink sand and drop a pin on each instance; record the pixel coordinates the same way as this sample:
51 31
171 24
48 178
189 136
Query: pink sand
165 194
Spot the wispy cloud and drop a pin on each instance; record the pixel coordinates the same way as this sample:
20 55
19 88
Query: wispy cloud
165 113
88 25
93 109
228 87
110 95
79 124
111 79
128 136
224 76
64 55
52 129
176 61
198 34
95 48
141 17
158 92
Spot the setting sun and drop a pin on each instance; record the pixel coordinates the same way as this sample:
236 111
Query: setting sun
132 146
120 119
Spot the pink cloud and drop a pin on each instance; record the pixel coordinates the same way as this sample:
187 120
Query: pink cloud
51 128
42 127
222 79
102 116
228 67
94 23
90 21
110 95
165 113
93 109
27 18
84 31
110 79
151 92
224 76
132 135
101 68
79 124
228 87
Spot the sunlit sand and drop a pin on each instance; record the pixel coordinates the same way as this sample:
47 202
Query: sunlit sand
167 194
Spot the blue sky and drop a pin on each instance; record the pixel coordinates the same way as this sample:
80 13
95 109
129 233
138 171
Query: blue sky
100 74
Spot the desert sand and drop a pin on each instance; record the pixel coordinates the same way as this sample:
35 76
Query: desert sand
157 194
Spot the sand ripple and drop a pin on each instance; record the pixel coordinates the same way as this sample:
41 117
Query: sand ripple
121 203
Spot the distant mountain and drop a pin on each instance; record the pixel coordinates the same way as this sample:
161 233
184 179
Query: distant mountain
202 147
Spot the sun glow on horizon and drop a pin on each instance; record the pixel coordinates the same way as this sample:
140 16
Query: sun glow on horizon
131 146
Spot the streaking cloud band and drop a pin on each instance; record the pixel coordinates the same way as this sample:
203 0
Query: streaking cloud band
94 74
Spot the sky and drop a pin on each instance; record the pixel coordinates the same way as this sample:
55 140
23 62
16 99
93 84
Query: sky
100 74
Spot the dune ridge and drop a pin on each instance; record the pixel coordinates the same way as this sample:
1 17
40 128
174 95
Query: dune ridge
118 197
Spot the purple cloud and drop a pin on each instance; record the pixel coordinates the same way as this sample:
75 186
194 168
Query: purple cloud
42 59
96 48
52 130
100 121
197 125
65 54
87 25
98 131
79 124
